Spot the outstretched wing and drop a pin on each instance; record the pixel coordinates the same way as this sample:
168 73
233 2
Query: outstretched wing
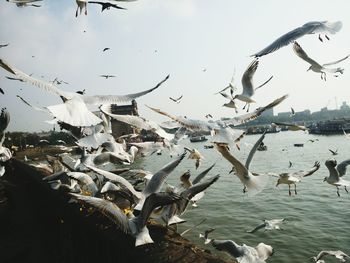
342 167
253 150
262 225
336 62
302 54
247 82
115 99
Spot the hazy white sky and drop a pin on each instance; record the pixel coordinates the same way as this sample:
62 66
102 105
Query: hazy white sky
188 36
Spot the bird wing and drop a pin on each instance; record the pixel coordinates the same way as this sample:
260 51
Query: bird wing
116 179
253 150
262 85
302 54
228 246
34 107
95 2
262 225
282 41
36 82
342 167
333 152
197 188
302 174
116 99
107 208
247 77
187 123
239 167
158 178
253 115
335 62
200 176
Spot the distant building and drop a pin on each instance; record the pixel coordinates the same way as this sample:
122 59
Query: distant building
324 109
344 107
283 114
120 128
268 113
303 113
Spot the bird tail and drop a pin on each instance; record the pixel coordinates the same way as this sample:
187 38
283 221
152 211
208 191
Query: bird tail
256 184
143 238
333 27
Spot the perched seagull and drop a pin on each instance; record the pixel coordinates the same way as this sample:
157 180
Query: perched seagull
107 76
269 225
81 4
106 48
253 182
335 174
293 178
333 152
74 110
247 84
308 28
106 5
244 253
176 100
136 226
4 45
315 66
337 254
291 127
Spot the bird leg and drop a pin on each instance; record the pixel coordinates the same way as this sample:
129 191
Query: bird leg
76 12
338 191
290 193
295 189
248 107
346 189
327 37
245 106
320 38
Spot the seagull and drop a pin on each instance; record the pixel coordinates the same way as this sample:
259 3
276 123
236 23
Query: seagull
243 253
293 178
308 28
176 100
253 183
231 103
107 76
335 174
337 254
247 84
5 153
106 5
195 155
74 110
106 48
315 66
291 127
4 45
21 3
333 152
347 135
81 4
268 225
136 226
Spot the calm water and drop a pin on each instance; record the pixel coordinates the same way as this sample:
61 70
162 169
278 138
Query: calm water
317 218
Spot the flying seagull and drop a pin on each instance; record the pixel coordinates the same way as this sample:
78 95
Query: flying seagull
177 100
268 225
74 110
291 127
136 226
247 84
22 3
315 66
293 178
337 254
106 48
106 5
335 174
107 76
308 28
4 45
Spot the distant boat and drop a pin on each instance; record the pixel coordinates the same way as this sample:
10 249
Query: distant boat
208 146
298 145
198 138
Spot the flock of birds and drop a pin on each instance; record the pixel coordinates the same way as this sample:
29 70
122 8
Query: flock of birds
117 194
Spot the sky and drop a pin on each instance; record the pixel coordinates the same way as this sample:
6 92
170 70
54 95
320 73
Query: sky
200 43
